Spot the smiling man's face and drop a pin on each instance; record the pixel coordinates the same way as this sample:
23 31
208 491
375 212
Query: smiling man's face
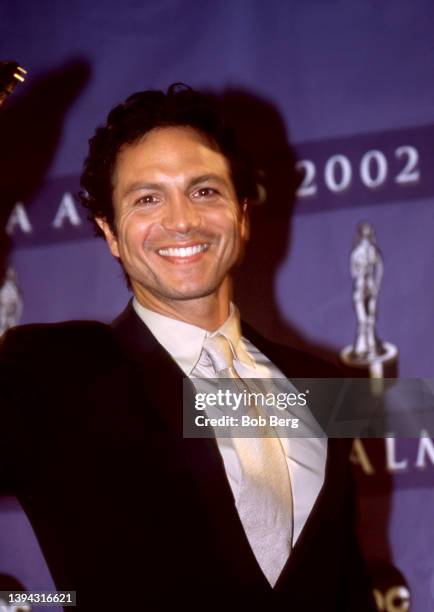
179 226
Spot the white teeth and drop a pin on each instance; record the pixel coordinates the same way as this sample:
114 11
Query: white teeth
183 251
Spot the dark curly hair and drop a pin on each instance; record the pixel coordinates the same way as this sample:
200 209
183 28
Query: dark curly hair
139 114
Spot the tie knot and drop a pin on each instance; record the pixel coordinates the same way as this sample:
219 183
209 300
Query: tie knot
219 351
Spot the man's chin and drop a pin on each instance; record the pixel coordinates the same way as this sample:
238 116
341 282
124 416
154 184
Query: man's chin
178 290
189 293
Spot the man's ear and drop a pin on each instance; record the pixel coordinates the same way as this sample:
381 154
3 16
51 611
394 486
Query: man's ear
245 220
109 236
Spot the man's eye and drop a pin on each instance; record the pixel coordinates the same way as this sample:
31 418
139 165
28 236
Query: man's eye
147 200
205 192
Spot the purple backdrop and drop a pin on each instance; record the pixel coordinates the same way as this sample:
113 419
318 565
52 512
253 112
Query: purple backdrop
344 87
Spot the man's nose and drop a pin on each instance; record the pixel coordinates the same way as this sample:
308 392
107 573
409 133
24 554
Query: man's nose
181 214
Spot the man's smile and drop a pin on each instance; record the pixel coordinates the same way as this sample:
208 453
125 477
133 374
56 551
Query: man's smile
184 252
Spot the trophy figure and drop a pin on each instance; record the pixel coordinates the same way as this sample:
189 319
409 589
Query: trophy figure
11 304
366 265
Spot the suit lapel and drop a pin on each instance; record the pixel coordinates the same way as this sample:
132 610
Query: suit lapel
161 376
166 387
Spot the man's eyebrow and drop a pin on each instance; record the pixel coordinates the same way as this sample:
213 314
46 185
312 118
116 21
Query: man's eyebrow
207 177
137 186
197 180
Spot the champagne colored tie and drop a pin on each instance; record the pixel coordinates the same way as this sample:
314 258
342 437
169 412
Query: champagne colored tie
264 502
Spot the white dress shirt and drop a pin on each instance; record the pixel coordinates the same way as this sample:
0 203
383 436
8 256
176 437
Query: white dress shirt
306 457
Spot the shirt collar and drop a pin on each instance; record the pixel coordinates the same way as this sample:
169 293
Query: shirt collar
184 341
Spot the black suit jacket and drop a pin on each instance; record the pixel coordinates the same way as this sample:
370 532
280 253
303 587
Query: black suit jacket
129 513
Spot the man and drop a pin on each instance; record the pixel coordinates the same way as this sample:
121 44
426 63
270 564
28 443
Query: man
127 510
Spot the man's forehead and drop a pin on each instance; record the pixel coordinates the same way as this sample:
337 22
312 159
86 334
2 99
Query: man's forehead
170 151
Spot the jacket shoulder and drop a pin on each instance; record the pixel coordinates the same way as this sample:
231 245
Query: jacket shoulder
69 339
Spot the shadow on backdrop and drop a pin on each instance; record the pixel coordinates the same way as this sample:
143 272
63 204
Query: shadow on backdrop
261 135
30 128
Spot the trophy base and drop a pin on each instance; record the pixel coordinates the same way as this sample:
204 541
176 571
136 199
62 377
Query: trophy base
374 363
